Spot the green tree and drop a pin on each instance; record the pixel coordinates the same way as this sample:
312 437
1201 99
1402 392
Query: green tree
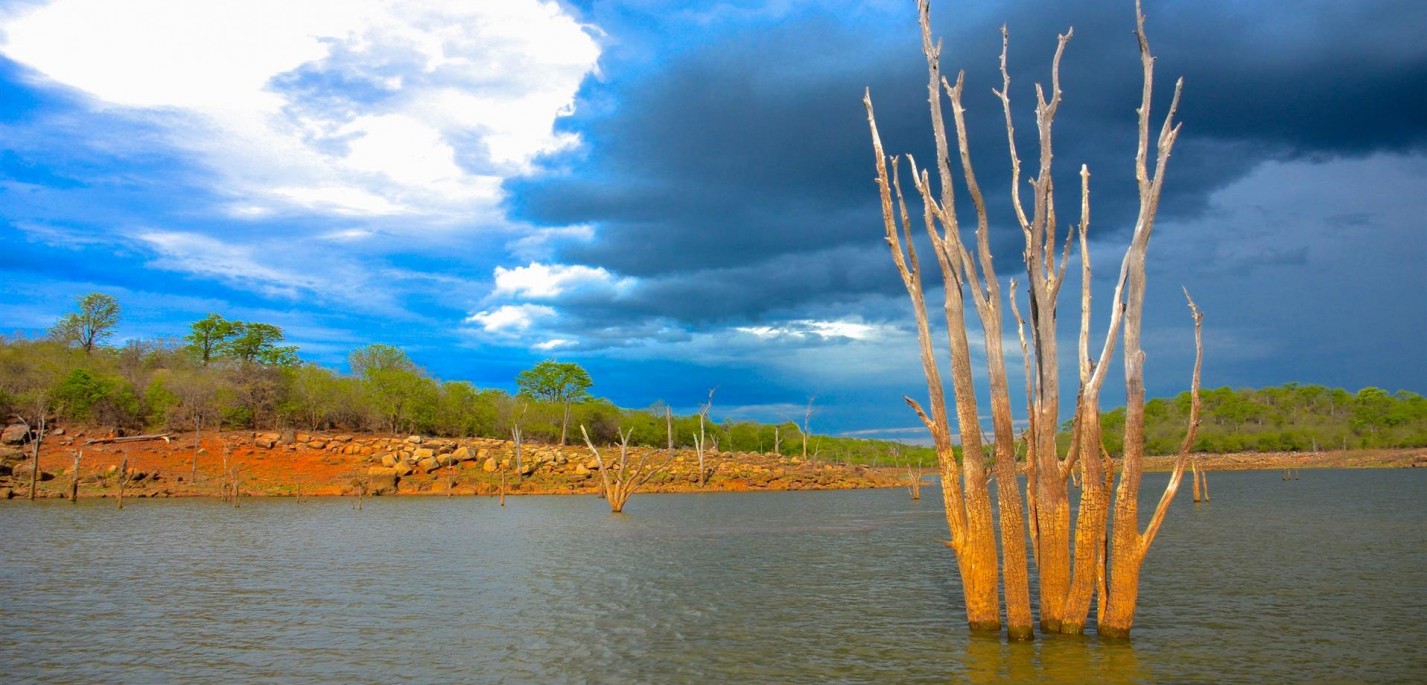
378 357
561 383
207 336
402 395
258 343
94 322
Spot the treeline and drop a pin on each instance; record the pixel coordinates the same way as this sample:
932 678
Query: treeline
1287 418
240 375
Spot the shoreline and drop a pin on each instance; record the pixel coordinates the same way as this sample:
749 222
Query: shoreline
267 464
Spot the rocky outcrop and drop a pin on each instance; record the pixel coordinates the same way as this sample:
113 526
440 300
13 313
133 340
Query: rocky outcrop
15 434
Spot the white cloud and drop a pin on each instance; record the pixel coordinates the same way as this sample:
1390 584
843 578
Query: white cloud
510 319
546 281
825 330
358 107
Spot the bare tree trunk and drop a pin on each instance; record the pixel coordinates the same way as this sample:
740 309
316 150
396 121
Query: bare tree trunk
74 480
38 439
224 489
516 435
502 488
967 504
123 480
197 445
1194 466
807 419
1130 546
700 438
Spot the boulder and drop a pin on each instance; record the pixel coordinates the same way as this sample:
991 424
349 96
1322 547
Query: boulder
403 469
388 460
462 454
428 464
15 434
317 444
266 441
529 467
21 472
423 453
580 470
489 466
413 439
383 480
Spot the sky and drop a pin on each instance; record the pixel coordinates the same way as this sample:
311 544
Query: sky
680 196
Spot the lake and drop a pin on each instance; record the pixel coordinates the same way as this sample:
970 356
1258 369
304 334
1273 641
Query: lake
1322 579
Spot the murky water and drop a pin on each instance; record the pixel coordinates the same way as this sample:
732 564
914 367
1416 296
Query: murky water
1323 579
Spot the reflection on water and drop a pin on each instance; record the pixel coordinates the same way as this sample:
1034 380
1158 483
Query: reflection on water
1321 579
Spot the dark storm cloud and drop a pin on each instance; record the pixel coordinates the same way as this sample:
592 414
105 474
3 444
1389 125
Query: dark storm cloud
751 151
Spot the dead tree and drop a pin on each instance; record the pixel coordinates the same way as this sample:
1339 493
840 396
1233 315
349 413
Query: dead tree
36 434
700 439
74 478
1068 582
123 480
516 435
629 477
1200 481
914 481
807 420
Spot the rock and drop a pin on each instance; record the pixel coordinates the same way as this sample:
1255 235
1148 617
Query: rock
388 460
462 454
301 437
529 467
428 464
15 434
580 470
57 431
317 444
21 472
342 438
414 439
266 441
383 480
423 453
402 469
489 466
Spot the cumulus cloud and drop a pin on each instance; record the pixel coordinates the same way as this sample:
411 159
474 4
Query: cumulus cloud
547 281
511 318
359 107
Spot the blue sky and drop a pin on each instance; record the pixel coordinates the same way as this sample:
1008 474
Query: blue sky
679 196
